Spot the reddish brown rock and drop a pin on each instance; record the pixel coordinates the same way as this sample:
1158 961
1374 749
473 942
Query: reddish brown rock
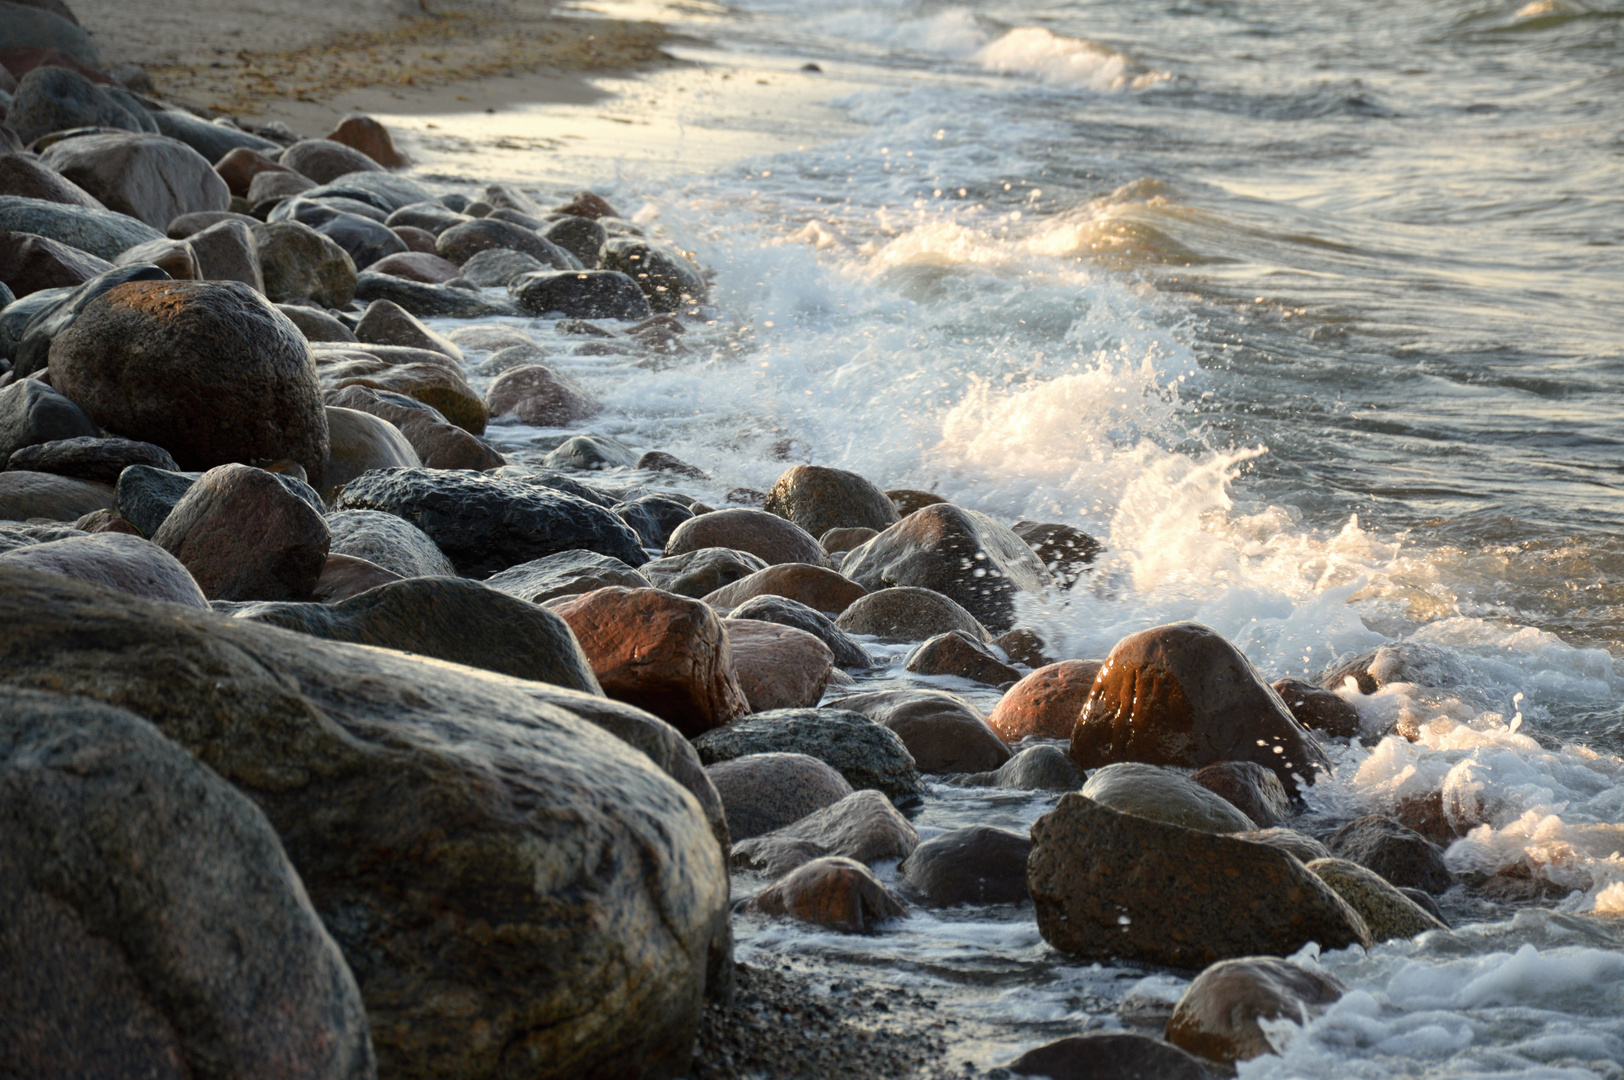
833 892
246 536
1250 788
907 501
863 826
1025 647
1183 695
426 267
818 588
117 561
840 541
371 138
764 792
29 263
766 536
961 654
588 205
539 396
778 667
344 576
239 167
22 174
1318 709
1218 1015
105 521
1047 703
661 652
943 732
415 239
819 499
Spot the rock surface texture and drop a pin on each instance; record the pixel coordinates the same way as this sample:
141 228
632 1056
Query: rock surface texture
1217 1017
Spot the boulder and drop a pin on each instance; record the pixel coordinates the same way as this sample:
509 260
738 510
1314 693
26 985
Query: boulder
392 542
1037 768
212 141
439 443
430 810
699 573
667 276
149 360
1317 709
846 651
116 561
961 554
88 457
974 865
1250 788
943 732
778 667
863 826
23 175
1046 703
432 301
365 241
908 613
1304 847
580 294
244 536
664 653
225 252
239 168
417 241
539 396
581 237
819 499
52 98
1107 885
154 926
1388 912
832 892
1399 854
1065 551
385 191
764 792
496 267
419 266
964 655
486 524
655 517
453 619
102 233
28 495
816 587
325 161
271 188
316 325
1109 1055
767 536
462 242
147 494
1182 695
344 576
299 263
1217 1016
359 443
568 573
31 414
1149 791
387 323
152 178
365 134
174 257
428 377
867 754
29 263
32 352
840 541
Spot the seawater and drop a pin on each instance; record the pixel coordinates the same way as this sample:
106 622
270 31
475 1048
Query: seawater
1309 312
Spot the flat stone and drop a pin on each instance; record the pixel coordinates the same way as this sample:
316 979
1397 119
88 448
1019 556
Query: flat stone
764 792
1046 703
431 301
212 141
344 576
419 266
316 325
23 175
863 826
867 754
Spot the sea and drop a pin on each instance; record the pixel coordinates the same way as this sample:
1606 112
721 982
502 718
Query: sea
1313 313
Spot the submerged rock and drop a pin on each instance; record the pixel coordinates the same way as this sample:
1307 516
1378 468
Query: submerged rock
1217 1017
834 892
974 865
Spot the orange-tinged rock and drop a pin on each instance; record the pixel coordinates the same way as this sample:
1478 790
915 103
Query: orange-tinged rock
778 667
817 587
840 894
1047 703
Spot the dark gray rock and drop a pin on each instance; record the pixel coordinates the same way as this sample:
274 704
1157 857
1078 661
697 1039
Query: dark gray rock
299 263
974 865
701 572
146 495
115 561
654 517
581 237
765 792
29 264
363 240
316 325
1399 854
387 191
33 24
568 573
325 161
908 613
1114 1055
33 350
1067 551
863 826
31 413
388 540
103 233
51 98
667 277
786 612
462 242
865 753
431 216
85 457
590 452
819 499
557 481
152 178
584 294
1037 768
498 266
212 141
431 301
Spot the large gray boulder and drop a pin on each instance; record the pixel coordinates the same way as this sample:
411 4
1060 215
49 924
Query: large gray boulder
51 98
516 891
152 178
100 232
153 925
390 541
34 26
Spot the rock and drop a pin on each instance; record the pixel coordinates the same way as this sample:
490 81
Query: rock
1304 847
1024 647
943 732
116 561
432 217
1317 709
417 241
23 175
299 263
590 452
105 521
767 536
1182 695
152 178
1107 885
906 613
325 161
819 499
1114 1055
581 237
386 323
539 396
863 826
667 276
701 572
778 667
147 494
344 576
1398 662
586 204
55 99
1388 912
1037 768
417 802
867 754
29 263
961 654
1217 1017
660 461
225 252
365 241
239 167
311 208
1066 551
464 622
174 257
27 495
428 377
439 443
16 534
431 301
486 524
568 573
1046 703
507 359
654 517
424 267
360 443
384 191
33 414
102 233
659 652
974 865
1250 788
212 141
271 188
460 243
580 294
966 556
190 224
814 586
245 536
147 359
840 541
1149 791
846 651
389 541
764 792
834 893
908 501
365 134
316 325
154 926
1401 855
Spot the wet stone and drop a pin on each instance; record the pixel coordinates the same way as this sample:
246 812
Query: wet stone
863 826
1402 856
568 573
1250 788
1046 703
867 754
963 655
974 865
764 792
833 892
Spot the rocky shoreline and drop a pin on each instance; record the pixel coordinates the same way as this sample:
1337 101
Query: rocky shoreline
321 704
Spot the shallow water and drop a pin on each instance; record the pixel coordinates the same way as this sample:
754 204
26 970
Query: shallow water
1310 312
